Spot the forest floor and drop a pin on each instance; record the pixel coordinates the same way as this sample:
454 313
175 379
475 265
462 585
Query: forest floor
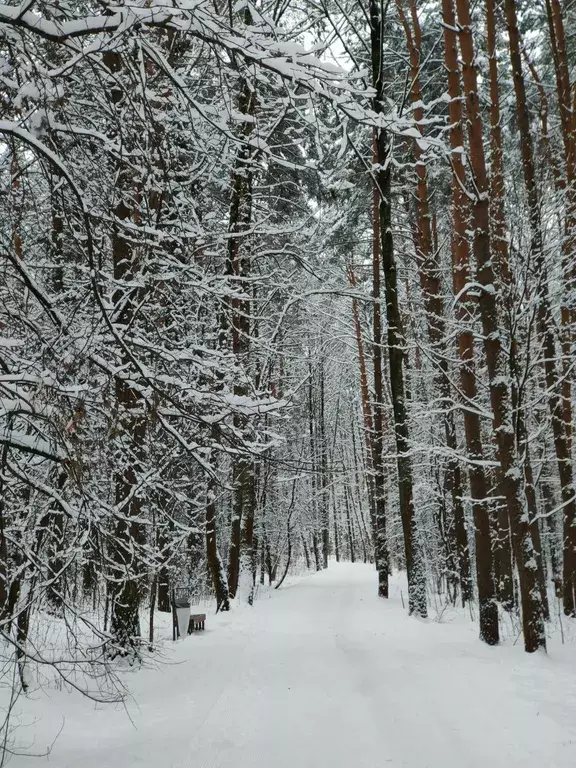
322 674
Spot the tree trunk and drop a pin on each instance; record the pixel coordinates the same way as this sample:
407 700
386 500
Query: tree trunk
395 341
128 536
316 551
559 410
567 109
238 265
375 479
349 527
324 494
306 553
497 363
503 565
164 591
248 556
377 444
429 270
464 314
336 531
214 561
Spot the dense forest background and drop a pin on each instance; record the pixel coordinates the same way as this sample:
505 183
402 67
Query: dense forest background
280 282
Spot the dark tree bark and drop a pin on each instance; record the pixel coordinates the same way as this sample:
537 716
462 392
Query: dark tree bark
215 565
248 556
324 494
336 530
567 107
395 335
125 588
316 550
464 314
350 527
559 409
503 561
306 553
238 269
164 591
377 443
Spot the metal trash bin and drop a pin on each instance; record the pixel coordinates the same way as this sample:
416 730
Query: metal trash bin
182 606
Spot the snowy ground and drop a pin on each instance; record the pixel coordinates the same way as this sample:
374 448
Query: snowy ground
321 674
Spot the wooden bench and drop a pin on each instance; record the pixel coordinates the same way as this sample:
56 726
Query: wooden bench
196 622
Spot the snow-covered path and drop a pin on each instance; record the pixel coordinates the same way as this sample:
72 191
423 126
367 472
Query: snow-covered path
322 674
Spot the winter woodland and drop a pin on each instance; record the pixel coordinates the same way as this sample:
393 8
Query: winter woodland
284 285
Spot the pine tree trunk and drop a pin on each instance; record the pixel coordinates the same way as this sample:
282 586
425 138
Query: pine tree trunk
497 363
567 108
373 478
429 270
464 314
238 269
336 531
316 550
324 494
356 499
395 340
502 544
214 561
349 527
377 444
553 535
128 536
239 470
248 556
562 390
559 411
503 564
306 553
164 591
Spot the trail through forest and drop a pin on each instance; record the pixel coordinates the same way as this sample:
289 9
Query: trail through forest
322 673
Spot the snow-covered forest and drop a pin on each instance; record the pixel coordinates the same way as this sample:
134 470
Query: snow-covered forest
286 287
